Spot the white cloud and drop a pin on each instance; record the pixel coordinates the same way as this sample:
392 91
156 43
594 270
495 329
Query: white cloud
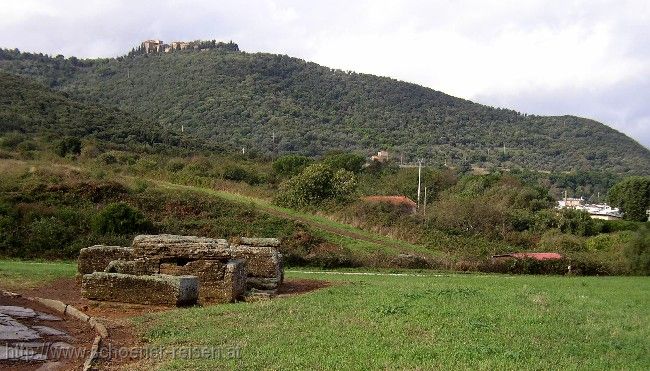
512 53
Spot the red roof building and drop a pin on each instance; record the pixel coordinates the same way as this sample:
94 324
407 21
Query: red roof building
399 201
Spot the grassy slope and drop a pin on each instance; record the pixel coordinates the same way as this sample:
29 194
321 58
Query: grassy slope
344 234
449 322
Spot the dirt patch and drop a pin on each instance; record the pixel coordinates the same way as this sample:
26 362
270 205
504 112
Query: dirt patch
76 334
114 315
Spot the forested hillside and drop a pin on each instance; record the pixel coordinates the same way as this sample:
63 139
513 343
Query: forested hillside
29 107
278 104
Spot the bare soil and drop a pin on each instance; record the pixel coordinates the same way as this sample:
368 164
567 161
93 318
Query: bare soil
81 337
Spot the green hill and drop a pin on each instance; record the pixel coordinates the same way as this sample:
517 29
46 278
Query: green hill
239 100
31 108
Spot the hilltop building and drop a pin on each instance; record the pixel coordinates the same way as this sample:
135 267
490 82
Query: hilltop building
153 46
158 46
381 156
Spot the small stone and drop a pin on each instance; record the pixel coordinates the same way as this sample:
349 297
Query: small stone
49 331
61 345
47 317
16 311
10 329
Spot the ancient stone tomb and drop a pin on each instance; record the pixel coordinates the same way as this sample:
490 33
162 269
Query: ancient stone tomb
181 270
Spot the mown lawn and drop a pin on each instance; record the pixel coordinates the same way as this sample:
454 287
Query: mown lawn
17 274
430 322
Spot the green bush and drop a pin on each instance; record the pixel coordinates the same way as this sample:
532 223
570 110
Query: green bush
554 240
315 185
290 165
47 236
120 218
175 166
68 146
577 222
12 140
638 252
239 174
108 158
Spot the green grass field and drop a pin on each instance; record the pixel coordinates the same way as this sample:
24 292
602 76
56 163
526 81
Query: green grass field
421 321
17 274
429 322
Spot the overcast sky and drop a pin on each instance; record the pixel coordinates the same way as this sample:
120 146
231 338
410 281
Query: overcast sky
589 58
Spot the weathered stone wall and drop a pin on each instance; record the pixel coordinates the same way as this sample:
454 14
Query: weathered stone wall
157 289
167 246
223 272
96 258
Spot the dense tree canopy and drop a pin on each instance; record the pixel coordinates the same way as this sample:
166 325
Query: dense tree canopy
277 104
632 195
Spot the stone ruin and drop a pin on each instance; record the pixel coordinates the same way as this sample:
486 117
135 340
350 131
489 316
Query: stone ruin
181 270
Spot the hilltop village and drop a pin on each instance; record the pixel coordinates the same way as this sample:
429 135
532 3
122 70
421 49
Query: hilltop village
158 46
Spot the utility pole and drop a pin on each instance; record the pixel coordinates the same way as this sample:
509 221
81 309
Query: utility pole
425 202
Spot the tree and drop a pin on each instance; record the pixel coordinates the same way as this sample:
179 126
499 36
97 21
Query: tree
290 165
346 161
632 196
316 184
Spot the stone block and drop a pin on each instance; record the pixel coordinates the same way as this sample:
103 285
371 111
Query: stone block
260 242
263 265
137 267
167 246
229 288
96 258
156 289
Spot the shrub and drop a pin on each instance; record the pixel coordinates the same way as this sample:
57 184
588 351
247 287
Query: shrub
120 218
46 236
12 140
554 240
315 185
290 165
638 252
68 146
577 222
175 165
108 158
27 146
239 174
